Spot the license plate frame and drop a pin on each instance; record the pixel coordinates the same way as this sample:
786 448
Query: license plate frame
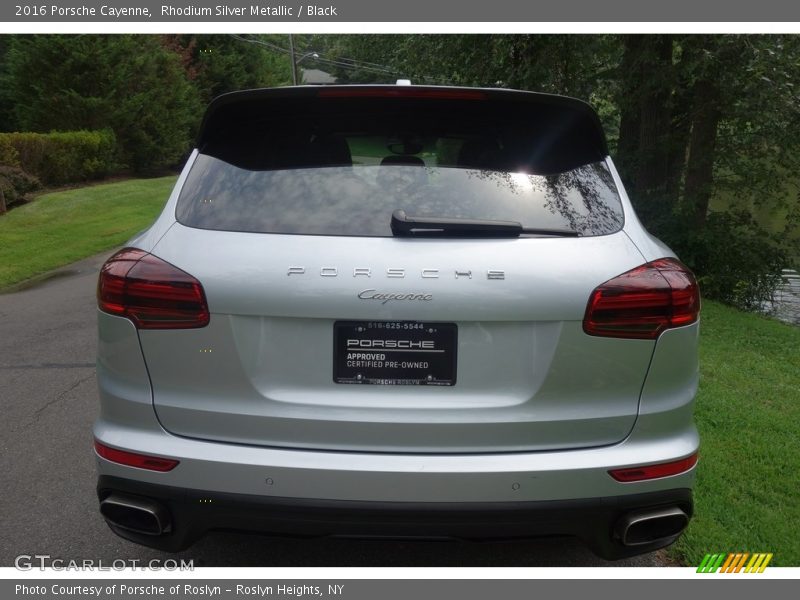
395 353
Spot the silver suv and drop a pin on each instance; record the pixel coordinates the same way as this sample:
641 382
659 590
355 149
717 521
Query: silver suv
398 311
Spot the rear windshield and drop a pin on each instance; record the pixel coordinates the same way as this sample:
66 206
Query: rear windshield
317 179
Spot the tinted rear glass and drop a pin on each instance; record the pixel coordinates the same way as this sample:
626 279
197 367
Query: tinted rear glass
346 173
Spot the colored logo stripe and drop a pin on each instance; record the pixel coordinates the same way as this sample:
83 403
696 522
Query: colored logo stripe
726 565
734 562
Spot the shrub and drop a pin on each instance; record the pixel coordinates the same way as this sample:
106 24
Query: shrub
8 154
736 261
15 184
62 156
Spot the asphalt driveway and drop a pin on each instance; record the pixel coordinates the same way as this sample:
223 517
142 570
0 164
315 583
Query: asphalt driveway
48 399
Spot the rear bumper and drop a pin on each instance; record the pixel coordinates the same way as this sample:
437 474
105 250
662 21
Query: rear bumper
195 512
426 478
221 486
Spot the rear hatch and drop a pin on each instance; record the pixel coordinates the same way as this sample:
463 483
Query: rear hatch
329 332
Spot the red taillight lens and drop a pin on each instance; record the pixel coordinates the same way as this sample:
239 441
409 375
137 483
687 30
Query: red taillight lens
654 471
151 292
643 302
402 92
132 459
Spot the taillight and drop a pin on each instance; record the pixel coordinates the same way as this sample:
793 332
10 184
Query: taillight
133 459
151 292
402 92
643 302
668 469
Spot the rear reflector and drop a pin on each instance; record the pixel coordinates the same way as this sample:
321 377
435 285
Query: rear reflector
654 471
643 302
131 459
151 292
402 92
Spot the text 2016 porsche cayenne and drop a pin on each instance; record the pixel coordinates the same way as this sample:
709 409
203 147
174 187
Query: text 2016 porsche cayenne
398 311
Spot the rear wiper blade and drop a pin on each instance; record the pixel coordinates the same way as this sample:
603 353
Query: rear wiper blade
403 225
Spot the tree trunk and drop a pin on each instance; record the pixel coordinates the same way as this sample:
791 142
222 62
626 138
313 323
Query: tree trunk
2 203
681 124
654 127
702 145
676 159
628 143
645 120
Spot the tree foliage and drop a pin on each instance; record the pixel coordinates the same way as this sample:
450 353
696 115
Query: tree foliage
149 90
217 64
704 129
130 84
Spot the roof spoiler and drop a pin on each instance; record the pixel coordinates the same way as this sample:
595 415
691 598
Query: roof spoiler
565 126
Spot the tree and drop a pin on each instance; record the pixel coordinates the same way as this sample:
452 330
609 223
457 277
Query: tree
562 64
703 128
6 112
217 64
130 84
646 118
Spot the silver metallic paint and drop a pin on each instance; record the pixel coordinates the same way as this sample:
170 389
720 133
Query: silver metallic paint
537 314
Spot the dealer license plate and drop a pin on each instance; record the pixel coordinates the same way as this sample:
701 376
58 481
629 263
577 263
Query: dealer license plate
394 352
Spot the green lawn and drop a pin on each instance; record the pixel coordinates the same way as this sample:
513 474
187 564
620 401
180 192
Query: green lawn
62 227
748 407
748 413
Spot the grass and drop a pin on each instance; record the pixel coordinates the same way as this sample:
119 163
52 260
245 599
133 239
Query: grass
748 413
62 227
748 406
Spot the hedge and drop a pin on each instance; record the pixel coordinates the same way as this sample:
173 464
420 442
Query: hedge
9 156
62 156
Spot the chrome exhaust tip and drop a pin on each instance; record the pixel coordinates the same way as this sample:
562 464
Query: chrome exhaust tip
650 526
139 515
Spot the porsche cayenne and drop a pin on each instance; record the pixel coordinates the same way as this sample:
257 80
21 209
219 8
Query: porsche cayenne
398 311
